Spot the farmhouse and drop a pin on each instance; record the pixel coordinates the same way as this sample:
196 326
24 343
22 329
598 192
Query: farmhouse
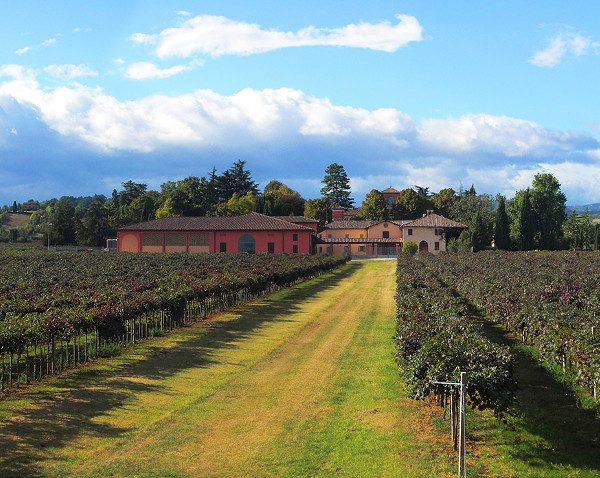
385 238
251 233
256 233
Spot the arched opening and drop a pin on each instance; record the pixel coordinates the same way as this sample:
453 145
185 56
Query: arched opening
247 243
423 246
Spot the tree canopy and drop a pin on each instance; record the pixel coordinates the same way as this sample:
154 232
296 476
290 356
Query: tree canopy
337 186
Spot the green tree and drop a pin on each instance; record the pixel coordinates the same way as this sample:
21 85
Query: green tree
467 205
279 200
526 223
502 225
443 201
167 209
64 223
237 179
478 233
374 207
410 205
337 186
549 206
319 209
410 248
95 227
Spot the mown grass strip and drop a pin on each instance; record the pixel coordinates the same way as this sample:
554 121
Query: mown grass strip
298 383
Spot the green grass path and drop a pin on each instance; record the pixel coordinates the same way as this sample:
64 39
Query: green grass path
301 383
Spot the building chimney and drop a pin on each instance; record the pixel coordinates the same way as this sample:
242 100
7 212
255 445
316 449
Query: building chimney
429 212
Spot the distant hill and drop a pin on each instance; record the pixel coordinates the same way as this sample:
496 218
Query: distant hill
592 208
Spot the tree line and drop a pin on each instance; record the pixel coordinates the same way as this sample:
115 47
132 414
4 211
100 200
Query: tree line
534 219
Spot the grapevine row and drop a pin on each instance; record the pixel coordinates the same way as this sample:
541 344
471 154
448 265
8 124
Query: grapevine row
436 339
548 299
57 309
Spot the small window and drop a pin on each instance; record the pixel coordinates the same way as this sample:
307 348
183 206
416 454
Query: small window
410 232
320 249
386 234
385 224
361 248
328 236
438 232
347 236
390 200
294 237
345 248
437 246
361 236
222 247
295 248
271 247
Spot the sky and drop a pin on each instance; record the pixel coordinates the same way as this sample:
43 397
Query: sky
436 94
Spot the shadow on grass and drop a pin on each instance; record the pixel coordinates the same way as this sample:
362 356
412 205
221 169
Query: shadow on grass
564 432
57 419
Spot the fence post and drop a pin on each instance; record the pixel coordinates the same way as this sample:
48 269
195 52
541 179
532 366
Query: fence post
461 447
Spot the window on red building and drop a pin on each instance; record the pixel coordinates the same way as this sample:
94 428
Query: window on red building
271 247
295 248
222 247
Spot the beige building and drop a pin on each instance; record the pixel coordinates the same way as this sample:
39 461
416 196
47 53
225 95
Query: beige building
385 238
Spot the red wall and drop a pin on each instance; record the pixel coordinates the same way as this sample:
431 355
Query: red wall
283 240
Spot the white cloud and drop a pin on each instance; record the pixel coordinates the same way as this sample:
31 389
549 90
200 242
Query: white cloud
493 134
216 36
145 71
182 13
378 148
14 131
23 50
143 38
69 72
562 44
50 41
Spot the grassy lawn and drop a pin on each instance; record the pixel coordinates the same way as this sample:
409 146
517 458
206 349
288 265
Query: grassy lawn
301 383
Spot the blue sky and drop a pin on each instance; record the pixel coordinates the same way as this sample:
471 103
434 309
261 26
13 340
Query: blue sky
438 94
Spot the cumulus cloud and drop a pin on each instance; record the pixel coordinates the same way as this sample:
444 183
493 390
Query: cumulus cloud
145 71
23 50
278 129
217 36
562 44
69 72
511 137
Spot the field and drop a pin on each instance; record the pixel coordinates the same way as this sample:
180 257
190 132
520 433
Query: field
301 382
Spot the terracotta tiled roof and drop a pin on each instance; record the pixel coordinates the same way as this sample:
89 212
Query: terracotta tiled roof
296 219
357 240
435 220
247 222
357 224
390 190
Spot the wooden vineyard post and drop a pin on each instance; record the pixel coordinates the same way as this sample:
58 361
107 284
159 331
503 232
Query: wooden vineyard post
461 441
462 394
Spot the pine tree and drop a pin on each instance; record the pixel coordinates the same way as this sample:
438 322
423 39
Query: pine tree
337 186
501 226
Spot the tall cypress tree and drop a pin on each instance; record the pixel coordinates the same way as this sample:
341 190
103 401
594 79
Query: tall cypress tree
477 233
527 226
501 226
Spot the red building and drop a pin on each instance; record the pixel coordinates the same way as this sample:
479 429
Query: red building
251 233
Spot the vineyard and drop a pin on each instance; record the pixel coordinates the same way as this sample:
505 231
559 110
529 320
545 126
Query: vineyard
550 300
436 340
59 309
